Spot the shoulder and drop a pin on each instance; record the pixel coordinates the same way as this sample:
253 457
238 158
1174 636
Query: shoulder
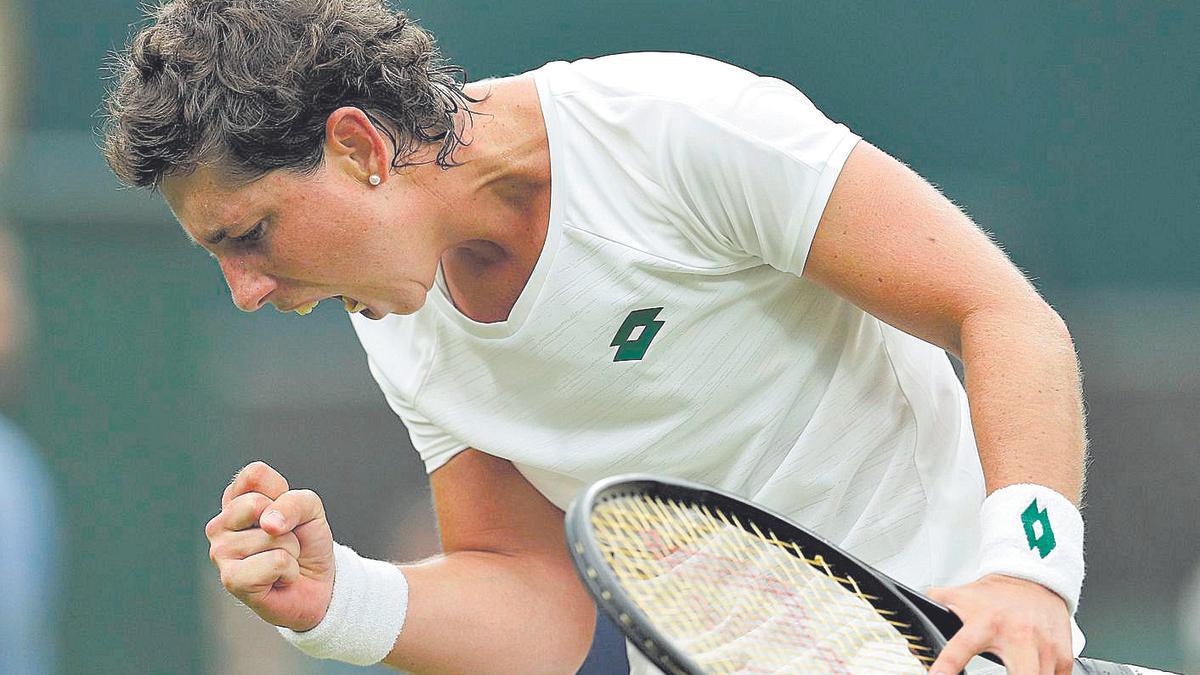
673 97
664 76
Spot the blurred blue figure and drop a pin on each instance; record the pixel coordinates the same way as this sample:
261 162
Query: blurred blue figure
28 560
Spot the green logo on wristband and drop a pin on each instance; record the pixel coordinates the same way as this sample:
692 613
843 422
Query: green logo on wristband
1043 541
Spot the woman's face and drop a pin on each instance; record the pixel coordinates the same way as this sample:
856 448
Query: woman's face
292 240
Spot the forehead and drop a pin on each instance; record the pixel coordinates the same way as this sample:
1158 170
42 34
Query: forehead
206 201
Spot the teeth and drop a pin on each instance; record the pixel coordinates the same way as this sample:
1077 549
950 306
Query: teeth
353 306
305 309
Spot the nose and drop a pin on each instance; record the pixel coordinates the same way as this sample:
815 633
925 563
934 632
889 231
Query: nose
248 287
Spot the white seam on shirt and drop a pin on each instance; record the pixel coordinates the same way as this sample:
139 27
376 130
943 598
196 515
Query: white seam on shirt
825 195
751 261
887 353
437 339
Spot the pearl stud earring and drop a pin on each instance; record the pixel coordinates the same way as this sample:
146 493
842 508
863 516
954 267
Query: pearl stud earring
374 179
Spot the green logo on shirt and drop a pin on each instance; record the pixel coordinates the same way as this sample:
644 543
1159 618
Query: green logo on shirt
634 336
1044 542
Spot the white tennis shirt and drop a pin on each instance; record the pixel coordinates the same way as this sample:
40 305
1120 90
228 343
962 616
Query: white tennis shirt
665 328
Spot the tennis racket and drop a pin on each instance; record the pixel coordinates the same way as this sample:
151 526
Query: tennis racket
702 581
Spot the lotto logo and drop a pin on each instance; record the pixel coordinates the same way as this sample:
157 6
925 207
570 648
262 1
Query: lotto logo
634 336
1035 519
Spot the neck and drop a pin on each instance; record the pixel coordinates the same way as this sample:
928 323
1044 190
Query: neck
505 175
499 221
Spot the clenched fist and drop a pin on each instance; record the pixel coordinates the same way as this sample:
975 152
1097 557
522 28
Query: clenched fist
273 548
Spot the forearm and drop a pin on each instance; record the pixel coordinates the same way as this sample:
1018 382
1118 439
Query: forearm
1023 384
481 612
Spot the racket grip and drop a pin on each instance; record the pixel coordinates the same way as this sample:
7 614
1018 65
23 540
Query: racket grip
1094 667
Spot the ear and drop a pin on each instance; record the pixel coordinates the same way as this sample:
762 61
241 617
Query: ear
355 145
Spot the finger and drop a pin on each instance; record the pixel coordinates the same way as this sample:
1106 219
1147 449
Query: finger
1064 649
292 510
241 545
1022 658
936 593
255 477
258 574
1059 660
242 512
965 644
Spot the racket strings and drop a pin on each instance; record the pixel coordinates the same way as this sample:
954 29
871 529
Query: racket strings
740 600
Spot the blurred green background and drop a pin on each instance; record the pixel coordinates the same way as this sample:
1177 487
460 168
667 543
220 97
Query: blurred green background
1067 129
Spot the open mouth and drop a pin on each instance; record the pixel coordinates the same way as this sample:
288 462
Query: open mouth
352 306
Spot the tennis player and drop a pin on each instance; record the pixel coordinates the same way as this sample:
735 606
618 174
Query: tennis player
644 262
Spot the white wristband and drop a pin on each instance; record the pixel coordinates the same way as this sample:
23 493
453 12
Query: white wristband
365 615
1032 532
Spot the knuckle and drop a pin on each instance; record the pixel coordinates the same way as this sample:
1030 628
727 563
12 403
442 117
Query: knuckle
212 527
995 624
227 581
261 472
250 475
1023 633
256 468
308 496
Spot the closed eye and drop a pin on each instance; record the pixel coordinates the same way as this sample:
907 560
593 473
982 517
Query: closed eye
254 234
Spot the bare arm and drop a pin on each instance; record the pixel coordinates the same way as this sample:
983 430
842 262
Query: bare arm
503 597
892 244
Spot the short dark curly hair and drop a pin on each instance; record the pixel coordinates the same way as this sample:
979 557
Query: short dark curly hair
247 85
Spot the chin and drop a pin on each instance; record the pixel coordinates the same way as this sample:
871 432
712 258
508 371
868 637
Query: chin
402 309
411 307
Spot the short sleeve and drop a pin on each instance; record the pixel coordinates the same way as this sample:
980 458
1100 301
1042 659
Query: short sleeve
432 443
753 169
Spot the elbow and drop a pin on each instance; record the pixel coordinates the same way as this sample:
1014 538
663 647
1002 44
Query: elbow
575 633
1051 325
561 615
1033 322
1059 326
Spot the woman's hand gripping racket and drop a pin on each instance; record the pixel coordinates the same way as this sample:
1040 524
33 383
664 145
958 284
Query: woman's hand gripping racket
702 581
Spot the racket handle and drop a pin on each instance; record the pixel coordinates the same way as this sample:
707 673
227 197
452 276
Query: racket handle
1094 667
